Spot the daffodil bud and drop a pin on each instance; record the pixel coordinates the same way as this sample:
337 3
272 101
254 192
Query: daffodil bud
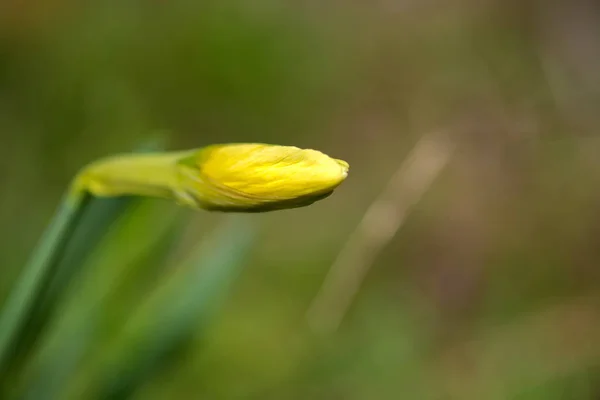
230 177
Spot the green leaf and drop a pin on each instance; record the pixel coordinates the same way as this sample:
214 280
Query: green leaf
138 243
95 222
30 286
169 316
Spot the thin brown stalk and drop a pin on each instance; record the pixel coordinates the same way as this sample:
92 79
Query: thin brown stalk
382 220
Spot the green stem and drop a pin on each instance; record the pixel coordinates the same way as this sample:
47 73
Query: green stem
29 287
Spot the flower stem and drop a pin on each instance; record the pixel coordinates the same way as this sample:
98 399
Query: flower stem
36 274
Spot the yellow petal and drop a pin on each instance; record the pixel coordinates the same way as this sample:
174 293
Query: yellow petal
263 177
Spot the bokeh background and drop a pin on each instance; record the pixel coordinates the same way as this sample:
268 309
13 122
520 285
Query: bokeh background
485 288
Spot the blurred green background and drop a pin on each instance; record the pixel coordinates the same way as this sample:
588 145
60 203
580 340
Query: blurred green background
488 289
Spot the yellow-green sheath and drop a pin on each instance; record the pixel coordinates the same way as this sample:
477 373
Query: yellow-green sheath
153 175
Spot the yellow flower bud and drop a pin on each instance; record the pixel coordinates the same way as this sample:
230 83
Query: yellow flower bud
229 177
259 177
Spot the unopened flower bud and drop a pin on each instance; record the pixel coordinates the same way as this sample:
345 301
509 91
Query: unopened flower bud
229 177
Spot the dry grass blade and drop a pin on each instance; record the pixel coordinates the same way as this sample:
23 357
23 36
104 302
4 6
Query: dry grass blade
377 227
